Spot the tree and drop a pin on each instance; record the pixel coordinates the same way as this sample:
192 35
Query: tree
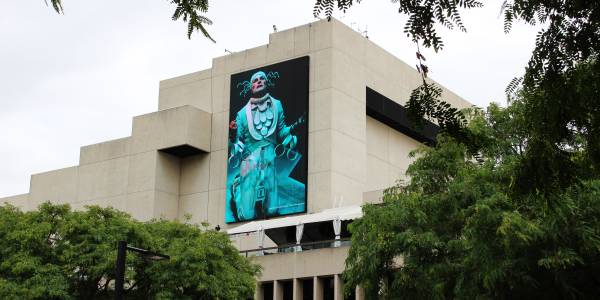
190 11
478 225
56 253
505 206
570 36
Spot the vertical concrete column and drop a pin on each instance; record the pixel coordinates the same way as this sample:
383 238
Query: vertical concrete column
338 287
317 288
277 290
298 291
258 293
360 293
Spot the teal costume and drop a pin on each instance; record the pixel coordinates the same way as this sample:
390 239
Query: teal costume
263 141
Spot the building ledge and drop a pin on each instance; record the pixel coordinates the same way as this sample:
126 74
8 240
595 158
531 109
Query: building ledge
317 262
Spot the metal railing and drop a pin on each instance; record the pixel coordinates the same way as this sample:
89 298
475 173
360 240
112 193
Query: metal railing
290 248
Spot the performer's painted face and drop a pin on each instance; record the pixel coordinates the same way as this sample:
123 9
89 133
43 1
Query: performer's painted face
259 82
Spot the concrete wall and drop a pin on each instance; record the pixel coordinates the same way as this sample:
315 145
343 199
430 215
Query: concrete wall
314 265
352 157
341 156
349 153
387 155
310 263
128 173
19 201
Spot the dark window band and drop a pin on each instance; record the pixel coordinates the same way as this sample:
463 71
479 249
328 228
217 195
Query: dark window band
392 114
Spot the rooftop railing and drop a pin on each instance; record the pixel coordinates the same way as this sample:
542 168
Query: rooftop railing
291 248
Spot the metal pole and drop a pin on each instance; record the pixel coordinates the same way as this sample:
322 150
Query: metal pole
120 268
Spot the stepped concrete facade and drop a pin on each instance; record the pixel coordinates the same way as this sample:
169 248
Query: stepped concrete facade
174 163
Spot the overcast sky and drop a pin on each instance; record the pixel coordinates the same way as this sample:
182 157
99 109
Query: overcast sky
79 78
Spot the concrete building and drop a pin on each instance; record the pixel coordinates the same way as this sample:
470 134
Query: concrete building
175 161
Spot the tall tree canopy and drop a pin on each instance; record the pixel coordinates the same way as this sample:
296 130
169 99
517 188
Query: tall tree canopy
507 204
57 253
464 228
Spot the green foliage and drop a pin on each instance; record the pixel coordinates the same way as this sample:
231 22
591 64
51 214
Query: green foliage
569 39
189 11
56 253
57 5
423 15
569 34
426 100
477 225
195 271
506 206
562 120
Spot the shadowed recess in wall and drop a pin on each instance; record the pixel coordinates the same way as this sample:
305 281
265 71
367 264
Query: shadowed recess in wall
395 115
182 150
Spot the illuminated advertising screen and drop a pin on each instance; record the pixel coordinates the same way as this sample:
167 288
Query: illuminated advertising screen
268 142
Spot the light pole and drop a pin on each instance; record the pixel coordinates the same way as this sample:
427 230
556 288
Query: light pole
120 268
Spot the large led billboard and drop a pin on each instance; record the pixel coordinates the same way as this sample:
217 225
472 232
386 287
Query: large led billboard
268 142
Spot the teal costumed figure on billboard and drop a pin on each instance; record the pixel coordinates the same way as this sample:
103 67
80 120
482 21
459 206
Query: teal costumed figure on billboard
262 154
